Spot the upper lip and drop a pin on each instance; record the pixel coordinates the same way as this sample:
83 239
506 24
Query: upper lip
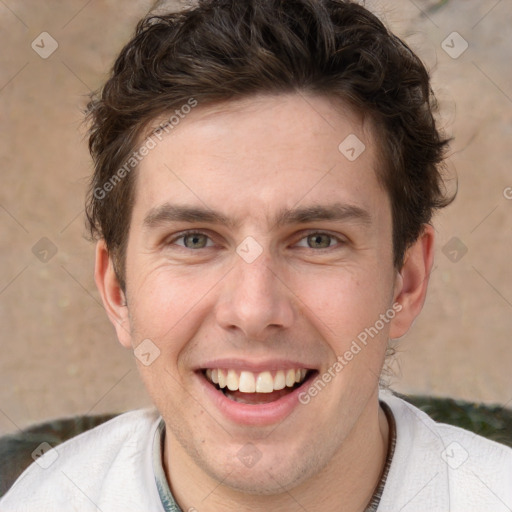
254 366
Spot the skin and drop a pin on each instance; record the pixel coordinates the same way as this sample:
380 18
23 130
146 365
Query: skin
249 159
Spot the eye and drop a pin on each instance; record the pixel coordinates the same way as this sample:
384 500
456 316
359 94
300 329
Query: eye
192 240
319 240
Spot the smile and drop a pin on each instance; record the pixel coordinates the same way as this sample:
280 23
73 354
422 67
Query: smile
232 381
255 397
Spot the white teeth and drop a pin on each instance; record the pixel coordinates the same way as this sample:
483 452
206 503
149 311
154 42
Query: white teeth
279 380
264 383
249 382
232 380
222 378
290 378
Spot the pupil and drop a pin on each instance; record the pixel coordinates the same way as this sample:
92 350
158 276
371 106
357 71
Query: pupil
194 240
317 240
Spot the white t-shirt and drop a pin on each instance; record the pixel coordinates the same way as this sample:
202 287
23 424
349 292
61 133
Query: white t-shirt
111 468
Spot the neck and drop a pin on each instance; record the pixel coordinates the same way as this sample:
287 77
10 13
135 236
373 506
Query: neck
348 480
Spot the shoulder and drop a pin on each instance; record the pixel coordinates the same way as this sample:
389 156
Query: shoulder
443 466
113 457
416 427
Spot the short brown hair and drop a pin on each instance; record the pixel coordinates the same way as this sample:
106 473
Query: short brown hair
222 50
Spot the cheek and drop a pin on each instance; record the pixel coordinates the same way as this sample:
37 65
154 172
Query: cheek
164 302
345 305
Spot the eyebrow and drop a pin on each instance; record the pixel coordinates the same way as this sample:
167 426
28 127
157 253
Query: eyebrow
168 213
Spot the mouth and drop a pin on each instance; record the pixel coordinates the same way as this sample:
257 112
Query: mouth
257 388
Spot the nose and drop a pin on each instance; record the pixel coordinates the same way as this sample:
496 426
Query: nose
255 300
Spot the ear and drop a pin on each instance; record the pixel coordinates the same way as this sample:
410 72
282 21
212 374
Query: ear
412 282
112 295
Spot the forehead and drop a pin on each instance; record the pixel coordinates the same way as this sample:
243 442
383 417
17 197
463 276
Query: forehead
262 155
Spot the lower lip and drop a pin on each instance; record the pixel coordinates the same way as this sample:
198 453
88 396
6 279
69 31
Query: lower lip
258 414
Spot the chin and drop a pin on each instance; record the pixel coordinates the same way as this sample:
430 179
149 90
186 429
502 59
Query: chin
273 470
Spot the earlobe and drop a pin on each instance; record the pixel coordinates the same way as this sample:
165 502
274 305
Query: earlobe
412 282
111 293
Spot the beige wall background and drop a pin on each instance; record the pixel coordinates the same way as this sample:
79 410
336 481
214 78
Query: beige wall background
58 353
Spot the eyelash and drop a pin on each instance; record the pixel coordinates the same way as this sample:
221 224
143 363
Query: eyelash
184 234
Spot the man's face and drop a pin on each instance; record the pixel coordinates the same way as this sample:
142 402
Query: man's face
269 292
